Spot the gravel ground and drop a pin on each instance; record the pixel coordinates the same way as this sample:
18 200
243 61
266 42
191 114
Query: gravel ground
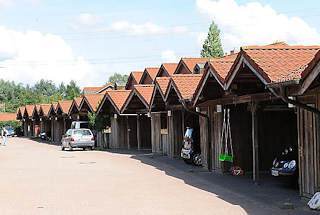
39 178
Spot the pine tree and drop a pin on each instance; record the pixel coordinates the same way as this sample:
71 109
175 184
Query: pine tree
212 45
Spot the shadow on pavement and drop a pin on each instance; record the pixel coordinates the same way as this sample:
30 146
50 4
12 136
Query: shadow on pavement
269 197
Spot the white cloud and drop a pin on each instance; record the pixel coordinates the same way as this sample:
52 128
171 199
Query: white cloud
30 56
147 28
255 24
86 21
169 56
4 4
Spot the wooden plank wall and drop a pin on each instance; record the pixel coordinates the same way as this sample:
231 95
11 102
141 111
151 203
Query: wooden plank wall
308 155
204 137
156 133
132 132
145 132
216 127
175 135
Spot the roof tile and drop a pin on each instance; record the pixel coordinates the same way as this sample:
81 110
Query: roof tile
145 91
7 117
118 97
186 84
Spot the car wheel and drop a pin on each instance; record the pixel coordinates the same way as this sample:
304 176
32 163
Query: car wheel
196 159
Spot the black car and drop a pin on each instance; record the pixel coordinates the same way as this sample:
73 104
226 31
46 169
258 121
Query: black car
286 164
190 151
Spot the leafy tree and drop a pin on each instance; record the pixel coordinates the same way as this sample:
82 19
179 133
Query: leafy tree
212 45
72 90
118 79
46 87
98 122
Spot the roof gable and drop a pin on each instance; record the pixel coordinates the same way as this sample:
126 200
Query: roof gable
188 64
274 63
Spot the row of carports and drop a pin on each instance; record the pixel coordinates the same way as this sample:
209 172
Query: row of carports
272 93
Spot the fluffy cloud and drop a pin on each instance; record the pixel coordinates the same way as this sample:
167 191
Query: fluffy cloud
169 56
147 28
255 24
30 56
86 21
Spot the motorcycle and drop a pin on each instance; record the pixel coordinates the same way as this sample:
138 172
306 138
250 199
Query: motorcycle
44 136
190 151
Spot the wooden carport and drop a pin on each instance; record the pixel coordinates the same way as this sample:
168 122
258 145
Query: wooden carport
111 105
138 102
45 121
28 121
303 86
181 89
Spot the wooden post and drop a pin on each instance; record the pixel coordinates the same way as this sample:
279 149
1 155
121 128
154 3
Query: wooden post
255 144
170 148
156 133
138 132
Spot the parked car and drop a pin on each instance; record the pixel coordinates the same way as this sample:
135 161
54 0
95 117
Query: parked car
10 130
78 138
79 124
190 151
286 165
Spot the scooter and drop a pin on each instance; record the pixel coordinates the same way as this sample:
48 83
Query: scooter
190 151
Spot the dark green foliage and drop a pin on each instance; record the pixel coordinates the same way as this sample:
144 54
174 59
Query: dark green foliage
43 92
98 122
118 79
212 45
14 124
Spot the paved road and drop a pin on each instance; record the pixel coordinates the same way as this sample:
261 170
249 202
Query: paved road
37 178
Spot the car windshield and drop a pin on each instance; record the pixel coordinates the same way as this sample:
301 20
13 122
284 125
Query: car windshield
188 133
8 128
82 132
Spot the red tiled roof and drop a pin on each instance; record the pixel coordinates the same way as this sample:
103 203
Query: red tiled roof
65 106
29 109
145 91
152 72
186 84
45 108
2 105
55 105
279 62
170 67
21 109
94 100
191 62
78 100
311 65
137 75
221 66
7 117
163 84
118 97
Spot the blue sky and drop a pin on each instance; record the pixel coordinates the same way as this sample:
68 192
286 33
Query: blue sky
90 40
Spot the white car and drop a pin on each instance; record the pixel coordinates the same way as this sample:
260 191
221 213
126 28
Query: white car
78 138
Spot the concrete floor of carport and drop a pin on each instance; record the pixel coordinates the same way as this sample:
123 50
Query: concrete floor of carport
271 192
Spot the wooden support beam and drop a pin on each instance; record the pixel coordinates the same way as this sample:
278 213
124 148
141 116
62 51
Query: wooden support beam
259 97
255 143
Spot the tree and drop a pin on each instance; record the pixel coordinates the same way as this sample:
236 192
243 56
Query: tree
118 79
212 45
72 91
46 87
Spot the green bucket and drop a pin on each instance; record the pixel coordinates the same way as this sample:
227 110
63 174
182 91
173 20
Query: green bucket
224 157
